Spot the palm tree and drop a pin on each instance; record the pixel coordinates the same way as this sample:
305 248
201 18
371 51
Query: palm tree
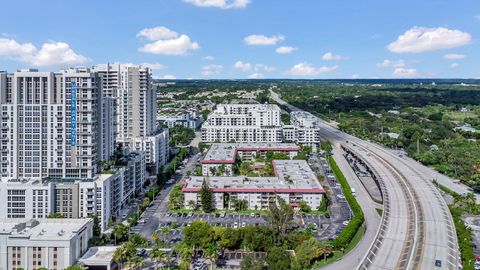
156 255
327 249
119 256
119 231
186 252
155 237
165 231
211 253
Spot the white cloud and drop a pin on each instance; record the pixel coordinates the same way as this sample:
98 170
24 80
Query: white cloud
454 56
10 47
210 70
454 65
405 72
223 4
333 57
285 50
262 67
263 40
389 63
176 46
355 76
166 42
245 67
307 69
165 77
153 66
157 33
209 58
53 53
422 39
477 17
256 76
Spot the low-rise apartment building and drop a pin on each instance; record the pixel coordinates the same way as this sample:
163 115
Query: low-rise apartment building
47 243
226 154
294 181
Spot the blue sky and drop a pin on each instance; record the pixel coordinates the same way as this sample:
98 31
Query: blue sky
248 38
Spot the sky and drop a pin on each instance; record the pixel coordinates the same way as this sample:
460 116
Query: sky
239 39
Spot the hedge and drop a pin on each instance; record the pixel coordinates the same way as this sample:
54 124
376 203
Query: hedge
346 236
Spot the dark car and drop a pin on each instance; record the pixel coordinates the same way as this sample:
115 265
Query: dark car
327 215
141 252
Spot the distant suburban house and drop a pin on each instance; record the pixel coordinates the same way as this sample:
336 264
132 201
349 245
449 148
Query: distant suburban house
393 135
465 128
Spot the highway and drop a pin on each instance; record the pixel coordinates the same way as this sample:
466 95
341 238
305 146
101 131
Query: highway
416 230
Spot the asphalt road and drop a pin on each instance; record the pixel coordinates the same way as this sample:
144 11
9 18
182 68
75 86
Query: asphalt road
417 230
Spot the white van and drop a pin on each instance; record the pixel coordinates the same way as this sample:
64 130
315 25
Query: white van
353 191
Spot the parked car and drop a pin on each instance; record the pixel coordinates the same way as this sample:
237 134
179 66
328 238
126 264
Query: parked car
141 252
252 215
243 224
235 225
199 266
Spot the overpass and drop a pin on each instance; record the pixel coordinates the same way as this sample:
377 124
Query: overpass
416 230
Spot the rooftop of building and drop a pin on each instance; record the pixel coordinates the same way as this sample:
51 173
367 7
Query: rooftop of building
98 256
43 229
291 176
226 152
221 108
303 115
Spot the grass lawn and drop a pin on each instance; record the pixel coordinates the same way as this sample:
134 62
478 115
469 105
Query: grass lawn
337 255
379 211
458 116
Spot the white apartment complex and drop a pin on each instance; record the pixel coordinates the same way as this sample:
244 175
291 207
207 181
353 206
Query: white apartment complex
53 124
185 118
136 107
48 243
131 87
243 123
259 123
26 199
304 129
104 196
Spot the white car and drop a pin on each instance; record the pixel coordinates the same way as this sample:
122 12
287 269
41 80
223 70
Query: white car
235 225
243 224
252 215
346 222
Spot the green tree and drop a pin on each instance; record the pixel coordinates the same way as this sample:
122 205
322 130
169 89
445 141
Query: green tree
76 267
251 263
206 197
211 253
304 207
198 234
280 217
176 197
119 232
156 255
55 215
125 254
138 240
278 259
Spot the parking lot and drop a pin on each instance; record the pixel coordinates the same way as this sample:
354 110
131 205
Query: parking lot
324 227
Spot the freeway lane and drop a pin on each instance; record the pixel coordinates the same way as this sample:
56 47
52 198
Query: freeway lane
419 231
